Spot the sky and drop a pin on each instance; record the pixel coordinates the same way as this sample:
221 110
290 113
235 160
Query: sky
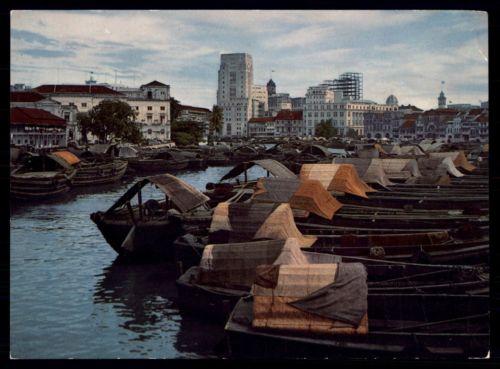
405 53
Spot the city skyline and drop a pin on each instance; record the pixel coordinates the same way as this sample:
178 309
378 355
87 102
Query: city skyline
405 53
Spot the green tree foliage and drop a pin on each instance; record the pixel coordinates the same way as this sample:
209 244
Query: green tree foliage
186 133
110 119
215 124
351 133
325 129
175 109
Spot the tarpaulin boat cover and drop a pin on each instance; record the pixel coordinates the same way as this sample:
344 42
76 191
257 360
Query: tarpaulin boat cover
245 221
272 166
234 265
127 152
438 166
337 177
67 156
399 168
182 194
99 148
457 157
317 150
411 150
369 153
369 170
315 298
392 149
429 147
300 194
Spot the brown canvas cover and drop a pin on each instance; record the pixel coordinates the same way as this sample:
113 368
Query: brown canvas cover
182 194
307 195
67 156
369 170
286 298
436 166
399 168
458 158
413 150
234 265
336 177
246 221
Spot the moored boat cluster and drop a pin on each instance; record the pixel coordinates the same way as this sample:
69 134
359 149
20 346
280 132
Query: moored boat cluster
381 252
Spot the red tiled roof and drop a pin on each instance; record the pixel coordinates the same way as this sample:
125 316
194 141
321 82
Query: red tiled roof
77 89
155 83
475 111
408 124
187 107
289 115
26 96
261 120
483 118
441 112
35 117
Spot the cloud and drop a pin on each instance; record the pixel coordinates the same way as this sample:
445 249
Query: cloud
406 53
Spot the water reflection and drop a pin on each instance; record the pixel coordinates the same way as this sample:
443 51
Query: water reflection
145 295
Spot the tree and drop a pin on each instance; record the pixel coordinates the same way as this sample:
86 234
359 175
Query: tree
325 129
186 133
84 122
215 124
175 109
111 119
351 133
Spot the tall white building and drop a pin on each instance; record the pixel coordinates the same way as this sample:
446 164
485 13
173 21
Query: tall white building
259 100
234 92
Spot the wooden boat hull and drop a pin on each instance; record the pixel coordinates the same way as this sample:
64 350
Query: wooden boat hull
157 165
100 174
33 187
247 342
154 238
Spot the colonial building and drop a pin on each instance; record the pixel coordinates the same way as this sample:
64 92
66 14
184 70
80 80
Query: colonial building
323 103
278 102
261 127
470 126
289 123
151 104
234 92
433 123
32 99
196 114
36 127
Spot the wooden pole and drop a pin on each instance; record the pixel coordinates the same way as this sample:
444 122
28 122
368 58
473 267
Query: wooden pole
139 196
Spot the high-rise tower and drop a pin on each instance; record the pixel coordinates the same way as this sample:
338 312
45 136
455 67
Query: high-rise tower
234 92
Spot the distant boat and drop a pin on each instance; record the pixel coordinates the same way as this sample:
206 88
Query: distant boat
41 176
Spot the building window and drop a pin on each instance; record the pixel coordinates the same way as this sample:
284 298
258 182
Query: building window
84 105
136 108
149 118
150 108
162 108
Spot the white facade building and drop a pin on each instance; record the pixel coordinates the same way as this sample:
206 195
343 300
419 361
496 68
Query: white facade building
324 103
234 92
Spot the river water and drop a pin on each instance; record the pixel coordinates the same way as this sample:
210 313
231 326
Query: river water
70 298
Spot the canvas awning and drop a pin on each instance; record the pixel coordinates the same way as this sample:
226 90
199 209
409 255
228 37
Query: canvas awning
399 168
272 166
392 149
457 157
184 196
246 221
233 265
315 298
369 170
337 177
67 156
413 150
307 195
438 166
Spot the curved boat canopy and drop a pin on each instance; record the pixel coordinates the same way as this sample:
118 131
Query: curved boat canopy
369 170
337 177
458 158
67 156
272 166
184 196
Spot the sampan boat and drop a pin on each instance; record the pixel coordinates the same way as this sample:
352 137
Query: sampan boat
41 176
147 229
